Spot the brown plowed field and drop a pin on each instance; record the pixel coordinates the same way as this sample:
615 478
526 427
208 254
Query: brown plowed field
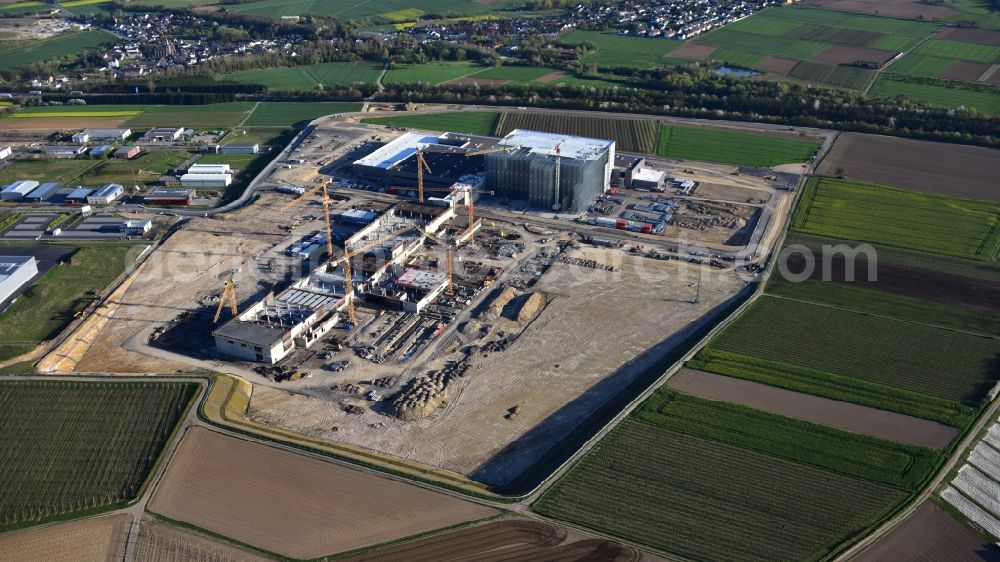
93 540
935 286
834 413
930 534
994 80
161 542
529 541
838 54
695 51
931 167
776 65
552 77
910 9
292 504
966 71
970 35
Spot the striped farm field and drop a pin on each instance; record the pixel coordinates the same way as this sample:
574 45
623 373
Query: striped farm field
703 499
873 213
960 50
850 454
634 135
833 75
80 447
920 65
733 147
947 364
622 50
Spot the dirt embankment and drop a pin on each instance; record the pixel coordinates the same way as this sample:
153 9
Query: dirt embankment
292 504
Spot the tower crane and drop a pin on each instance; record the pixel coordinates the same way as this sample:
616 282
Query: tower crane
557 186
469 203
350 254
321 187
421 166
450 267
228 295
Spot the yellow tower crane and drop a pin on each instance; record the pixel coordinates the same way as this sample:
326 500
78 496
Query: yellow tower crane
351 253
421 166
319 187
228 295
450 263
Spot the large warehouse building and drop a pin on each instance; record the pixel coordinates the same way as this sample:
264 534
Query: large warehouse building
550 171
15 271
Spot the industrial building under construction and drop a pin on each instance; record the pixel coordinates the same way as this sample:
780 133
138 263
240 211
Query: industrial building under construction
300 315
547 171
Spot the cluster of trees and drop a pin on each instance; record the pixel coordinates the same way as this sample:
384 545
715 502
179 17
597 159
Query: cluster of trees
706 95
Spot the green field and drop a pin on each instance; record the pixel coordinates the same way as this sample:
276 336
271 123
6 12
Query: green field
74 448
782 374
432 72
53 49
762 44
147 168
919 65
471 122
634 135
866 212
944 94
960 50
520 74
885 303
286 114
947 364
62 170
706 500
734 57
199 117
833 75
48 305
847 20
733 147
309 77
235 161
622 50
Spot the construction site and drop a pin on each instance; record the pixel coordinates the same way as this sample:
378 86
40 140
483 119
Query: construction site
380 292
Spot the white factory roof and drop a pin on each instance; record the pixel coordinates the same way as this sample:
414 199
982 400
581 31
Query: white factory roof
22 186
10 264
578 148
97 132
649 174
397 150
109 189
207 177
209 169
